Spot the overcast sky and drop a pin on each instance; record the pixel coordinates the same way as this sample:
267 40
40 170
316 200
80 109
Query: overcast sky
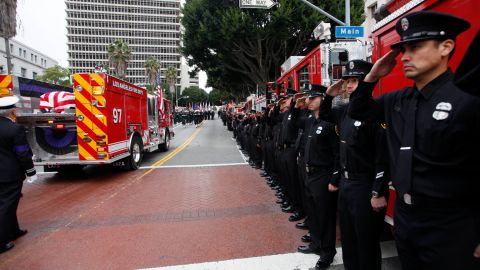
42 26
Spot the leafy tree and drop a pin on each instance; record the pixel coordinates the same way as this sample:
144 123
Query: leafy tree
118 56
195 95
171 76
152 67
8 25
56 75
240 49
218 97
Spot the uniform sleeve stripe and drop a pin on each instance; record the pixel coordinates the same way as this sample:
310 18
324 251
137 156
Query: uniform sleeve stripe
30 170
21 148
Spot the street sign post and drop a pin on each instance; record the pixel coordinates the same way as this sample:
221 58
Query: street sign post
262 4
349 31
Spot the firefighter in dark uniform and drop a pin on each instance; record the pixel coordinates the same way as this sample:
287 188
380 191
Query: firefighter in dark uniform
288 137
364 182
433 131
321 157
15 164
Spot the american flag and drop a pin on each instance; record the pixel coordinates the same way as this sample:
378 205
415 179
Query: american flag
160 93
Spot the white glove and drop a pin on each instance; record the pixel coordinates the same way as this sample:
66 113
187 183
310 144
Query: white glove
32 178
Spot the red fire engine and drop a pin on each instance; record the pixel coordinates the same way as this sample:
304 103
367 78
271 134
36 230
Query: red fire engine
384 35
324 64
109 121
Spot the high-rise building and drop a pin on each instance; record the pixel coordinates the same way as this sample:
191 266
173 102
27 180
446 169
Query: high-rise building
149 27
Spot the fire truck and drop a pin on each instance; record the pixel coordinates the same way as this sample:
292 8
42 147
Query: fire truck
324 64
384 34
109 121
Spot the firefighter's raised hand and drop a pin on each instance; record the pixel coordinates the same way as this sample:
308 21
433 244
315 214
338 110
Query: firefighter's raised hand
299 103
297 96
476 253
335 89
383 66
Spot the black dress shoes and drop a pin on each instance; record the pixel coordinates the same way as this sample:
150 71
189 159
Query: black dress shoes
280 201
6 247
306 238
296 217
288 209
263 174
301 226
19 234
306 250
324 262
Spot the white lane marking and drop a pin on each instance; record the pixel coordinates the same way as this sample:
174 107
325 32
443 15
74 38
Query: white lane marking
243 156
195 165
289 261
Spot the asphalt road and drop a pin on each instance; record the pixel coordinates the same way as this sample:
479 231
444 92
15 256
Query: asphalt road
197 206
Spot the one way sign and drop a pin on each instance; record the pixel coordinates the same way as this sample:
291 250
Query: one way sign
264 4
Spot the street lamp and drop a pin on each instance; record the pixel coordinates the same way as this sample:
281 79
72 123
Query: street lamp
176 102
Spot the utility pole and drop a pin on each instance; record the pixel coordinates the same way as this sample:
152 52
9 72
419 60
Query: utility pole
347 12
327 14
9 56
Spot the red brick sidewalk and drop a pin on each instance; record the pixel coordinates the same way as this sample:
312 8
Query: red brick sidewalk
167 217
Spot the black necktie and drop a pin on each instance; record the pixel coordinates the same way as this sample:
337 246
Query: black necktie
403 174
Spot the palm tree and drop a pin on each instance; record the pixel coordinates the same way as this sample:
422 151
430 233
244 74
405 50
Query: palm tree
152 67
8 25
171 77
118 55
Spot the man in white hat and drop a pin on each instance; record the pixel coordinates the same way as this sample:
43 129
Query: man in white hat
15 165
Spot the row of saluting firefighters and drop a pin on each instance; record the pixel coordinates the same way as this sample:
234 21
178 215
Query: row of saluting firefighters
322 158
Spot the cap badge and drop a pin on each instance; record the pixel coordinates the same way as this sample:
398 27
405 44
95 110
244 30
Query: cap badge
351 65
404 23
319 130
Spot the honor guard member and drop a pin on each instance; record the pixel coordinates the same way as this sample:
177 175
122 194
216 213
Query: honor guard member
288 137
15 164
433 142
364 183
321 157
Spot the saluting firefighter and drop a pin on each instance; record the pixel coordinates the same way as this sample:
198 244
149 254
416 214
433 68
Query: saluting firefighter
15 164
433 131
322 166
364 182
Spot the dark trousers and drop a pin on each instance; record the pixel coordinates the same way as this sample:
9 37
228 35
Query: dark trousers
279 172
9 199
291 172
302 179
436 236
268 156
322 213
360 226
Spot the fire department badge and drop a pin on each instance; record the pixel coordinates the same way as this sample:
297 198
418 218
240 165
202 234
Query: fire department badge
351 65
319 130
404 23
357 123
440 115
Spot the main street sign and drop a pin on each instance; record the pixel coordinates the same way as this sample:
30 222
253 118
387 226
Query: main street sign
263 4
349 31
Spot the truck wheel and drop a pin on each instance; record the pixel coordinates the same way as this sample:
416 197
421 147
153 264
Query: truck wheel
133 161
166 144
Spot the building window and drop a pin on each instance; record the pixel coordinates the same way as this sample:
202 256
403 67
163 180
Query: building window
34 75
24 53
23 72
371 10
20 51
31 57
11 48
35 59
